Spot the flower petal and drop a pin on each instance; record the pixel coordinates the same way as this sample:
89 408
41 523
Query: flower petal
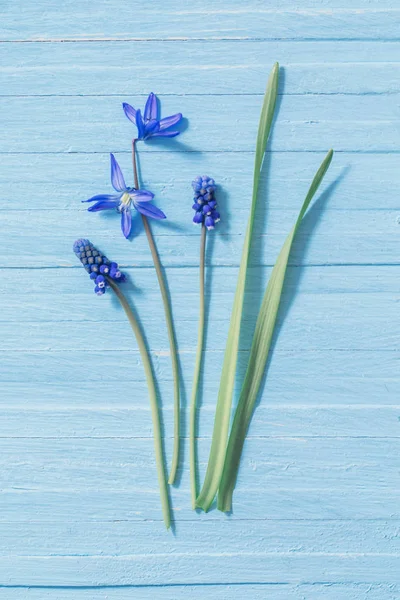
150 128
149 210
169 121
166 134
129 111
106 197
150 110
139 124
141 196
117 179
126 222
103 205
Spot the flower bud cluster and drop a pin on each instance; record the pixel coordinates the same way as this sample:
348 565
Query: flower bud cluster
97 265
205 205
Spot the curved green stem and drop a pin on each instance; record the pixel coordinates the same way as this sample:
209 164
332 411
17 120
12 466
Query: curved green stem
172 345
199 353
153 401
170 328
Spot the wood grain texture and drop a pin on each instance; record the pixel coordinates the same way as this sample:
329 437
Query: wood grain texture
50 69
307 122
226 591
206 21
316 512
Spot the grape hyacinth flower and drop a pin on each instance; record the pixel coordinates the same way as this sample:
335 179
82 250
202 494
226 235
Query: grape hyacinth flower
107 274
206 215
97 265
149 125
205 205
124 200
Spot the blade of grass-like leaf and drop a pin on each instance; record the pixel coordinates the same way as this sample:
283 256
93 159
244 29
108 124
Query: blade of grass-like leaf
259 354
224 403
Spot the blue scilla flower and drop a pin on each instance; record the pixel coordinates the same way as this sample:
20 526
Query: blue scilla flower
205 205
149 125
97 265
125 199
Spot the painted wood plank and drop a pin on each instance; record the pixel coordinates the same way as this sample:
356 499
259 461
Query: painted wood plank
135 421
322 388
61 181
312 322
118 465
131 68
208 568
330 310
359 237
328 591
130 538
115 479
57 285
320 401
294 378
304 123
359 502
92 21
378 367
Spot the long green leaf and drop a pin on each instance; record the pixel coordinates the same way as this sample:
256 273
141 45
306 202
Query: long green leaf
224 403
259 353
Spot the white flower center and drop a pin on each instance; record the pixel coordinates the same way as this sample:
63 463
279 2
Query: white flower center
126 199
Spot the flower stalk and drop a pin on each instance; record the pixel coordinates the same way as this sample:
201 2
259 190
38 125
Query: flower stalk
170 326
106 274
207 216
153 401
197 368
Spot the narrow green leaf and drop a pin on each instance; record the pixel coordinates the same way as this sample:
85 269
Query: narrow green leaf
224 403
259 353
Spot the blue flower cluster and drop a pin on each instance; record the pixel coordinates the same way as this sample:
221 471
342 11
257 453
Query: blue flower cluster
97 265
205 205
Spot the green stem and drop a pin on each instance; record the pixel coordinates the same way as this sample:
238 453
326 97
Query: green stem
153 401
199 353
170 328
135 171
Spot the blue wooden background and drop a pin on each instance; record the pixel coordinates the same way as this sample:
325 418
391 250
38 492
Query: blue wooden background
317 507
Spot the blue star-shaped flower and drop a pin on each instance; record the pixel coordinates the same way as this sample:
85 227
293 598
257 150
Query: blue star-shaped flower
150 125
126 198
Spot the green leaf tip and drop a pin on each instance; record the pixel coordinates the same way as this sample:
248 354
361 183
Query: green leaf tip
259 352
227 382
